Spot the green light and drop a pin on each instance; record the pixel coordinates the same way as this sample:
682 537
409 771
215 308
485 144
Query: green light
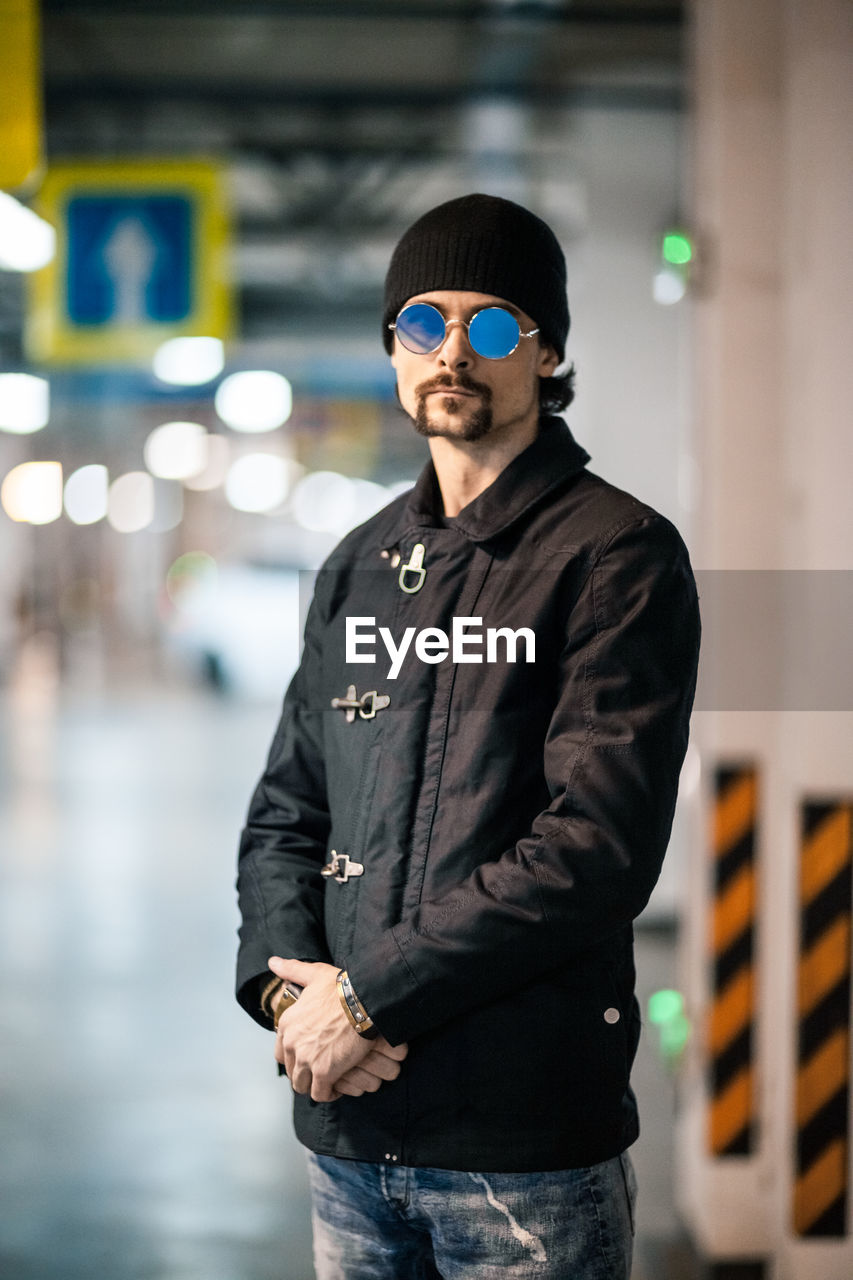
193 569
674 1036
676 248
665 1007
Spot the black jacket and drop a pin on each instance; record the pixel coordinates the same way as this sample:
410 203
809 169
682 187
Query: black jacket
510 817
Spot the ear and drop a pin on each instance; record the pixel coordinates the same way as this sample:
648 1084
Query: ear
548 361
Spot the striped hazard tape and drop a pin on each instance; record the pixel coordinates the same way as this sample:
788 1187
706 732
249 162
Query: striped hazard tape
731 1127
823 1008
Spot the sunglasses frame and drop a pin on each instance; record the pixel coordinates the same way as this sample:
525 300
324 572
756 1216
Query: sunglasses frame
467 324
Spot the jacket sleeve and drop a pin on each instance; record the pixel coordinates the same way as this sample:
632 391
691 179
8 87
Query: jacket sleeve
612 757
283 844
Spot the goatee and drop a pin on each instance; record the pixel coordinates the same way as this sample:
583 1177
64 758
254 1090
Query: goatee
475 427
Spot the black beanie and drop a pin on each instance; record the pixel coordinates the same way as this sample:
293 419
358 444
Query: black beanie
482 244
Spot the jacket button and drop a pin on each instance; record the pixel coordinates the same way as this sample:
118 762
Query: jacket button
612 1015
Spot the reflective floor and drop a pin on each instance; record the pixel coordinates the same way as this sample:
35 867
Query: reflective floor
144 1132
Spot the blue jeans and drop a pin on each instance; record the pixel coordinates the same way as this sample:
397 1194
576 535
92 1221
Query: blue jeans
389 1222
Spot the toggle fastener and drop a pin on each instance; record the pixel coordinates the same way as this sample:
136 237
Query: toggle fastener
414 566
366 706
341 868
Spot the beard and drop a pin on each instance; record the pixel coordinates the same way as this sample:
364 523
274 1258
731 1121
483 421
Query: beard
474 427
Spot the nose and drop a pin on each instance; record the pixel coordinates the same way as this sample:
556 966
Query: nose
455 351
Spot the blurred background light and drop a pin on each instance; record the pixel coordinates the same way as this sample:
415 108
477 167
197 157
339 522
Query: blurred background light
258 482
397 488
191 584
168 506
86 494
666 1010
176 450
32 492
24 403
191 580
327 502
676 248
189 361
323 501
691 772
218 461
27 242
257 400
368 499
669 287
130 503
665 1005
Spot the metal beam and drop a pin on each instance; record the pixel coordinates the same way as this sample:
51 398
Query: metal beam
60 93
567 14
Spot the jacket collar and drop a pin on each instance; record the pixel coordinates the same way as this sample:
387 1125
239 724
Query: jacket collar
544 465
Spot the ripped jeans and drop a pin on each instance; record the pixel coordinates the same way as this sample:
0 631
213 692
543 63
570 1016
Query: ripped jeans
389 1222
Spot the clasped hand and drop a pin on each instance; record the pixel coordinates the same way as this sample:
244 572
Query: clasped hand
321 1051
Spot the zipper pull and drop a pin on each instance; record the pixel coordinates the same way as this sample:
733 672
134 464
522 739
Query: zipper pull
414 566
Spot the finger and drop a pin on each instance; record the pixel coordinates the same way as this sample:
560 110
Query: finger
301 1079
357 1081
345 1089
299 971
382 1066
396 1051
289 1059
323 1090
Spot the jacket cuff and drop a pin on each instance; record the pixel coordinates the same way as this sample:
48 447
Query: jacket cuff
253 974
388 990
249 997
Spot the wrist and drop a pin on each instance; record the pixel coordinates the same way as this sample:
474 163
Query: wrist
277 996
357 1016
268 996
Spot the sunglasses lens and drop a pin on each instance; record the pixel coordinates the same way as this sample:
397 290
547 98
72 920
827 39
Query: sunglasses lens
494 333
420 328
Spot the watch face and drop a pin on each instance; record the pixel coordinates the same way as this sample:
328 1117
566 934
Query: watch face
287 996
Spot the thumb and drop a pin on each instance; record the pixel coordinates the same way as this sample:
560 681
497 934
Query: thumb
298 971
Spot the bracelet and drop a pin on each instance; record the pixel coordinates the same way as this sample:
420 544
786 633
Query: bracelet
277 996
269 991
356 1013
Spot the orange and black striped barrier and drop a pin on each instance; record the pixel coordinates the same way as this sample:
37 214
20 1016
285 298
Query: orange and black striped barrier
731 1129
823 997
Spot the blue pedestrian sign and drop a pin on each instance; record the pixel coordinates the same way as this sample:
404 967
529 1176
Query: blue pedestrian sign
140 258
129 259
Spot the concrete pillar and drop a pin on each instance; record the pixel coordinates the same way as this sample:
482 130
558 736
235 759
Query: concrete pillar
771 203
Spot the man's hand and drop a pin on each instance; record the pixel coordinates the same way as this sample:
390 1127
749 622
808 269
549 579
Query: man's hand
321 1051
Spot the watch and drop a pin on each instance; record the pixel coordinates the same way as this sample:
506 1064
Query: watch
358 1016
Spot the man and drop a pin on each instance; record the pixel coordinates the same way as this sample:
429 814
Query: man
467 802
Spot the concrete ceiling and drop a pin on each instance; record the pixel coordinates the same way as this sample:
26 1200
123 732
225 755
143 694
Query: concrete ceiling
339 121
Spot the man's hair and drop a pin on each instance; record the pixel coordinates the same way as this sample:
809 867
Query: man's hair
557 393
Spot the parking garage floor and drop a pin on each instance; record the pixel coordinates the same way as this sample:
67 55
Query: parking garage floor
144 1130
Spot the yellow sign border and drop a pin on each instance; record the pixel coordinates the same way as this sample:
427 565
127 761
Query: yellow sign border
21 123
51 337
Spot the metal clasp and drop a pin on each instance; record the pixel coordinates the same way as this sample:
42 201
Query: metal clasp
366 706
371 703
416 566
341 868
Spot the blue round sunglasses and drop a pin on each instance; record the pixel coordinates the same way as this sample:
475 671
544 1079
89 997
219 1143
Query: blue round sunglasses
493 333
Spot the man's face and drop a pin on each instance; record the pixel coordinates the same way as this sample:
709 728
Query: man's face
455 392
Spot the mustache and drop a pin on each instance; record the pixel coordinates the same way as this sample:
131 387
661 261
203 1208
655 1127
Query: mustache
460 380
